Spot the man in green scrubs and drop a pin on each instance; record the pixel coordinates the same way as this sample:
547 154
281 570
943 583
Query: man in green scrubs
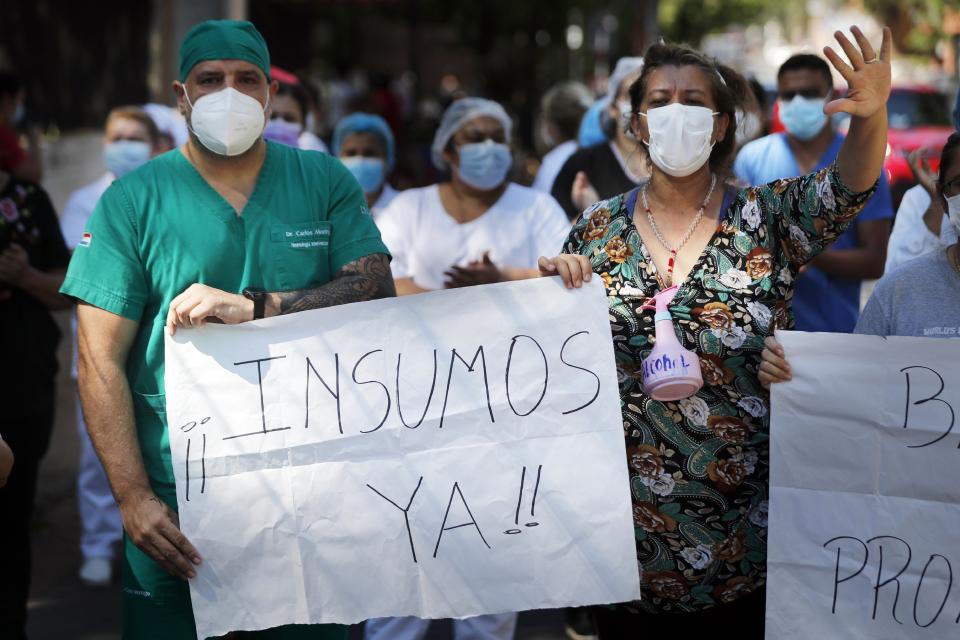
224 229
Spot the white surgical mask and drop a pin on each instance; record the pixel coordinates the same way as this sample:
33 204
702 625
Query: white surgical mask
681 137
227 122
953 210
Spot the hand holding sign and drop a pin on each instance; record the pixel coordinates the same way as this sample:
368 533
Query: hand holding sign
863 515
574 270
201 304
774 367
443 455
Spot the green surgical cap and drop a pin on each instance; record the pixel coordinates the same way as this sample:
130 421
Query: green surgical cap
223 40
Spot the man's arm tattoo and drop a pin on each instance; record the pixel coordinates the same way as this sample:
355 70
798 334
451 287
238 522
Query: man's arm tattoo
366 278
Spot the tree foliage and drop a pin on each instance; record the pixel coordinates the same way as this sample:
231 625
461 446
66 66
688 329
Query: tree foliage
917 25
690 20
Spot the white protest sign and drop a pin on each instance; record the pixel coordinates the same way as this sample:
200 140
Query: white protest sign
864 492
442 455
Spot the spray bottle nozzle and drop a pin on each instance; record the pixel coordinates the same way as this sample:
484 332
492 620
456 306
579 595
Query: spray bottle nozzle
661 299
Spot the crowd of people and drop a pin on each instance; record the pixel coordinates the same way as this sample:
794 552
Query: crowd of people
668 181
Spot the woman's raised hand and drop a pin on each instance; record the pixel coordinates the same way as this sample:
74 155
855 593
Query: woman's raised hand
573 269
867 74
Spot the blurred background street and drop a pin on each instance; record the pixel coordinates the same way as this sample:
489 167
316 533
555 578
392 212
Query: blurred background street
405 60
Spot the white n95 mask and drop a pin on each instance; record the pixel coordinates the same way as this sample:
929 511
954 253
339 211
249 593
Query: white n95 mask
227 122
680 137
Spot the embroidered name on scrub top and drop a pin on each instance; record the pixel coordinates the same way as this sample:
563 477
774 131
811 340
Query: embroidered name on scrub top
302 235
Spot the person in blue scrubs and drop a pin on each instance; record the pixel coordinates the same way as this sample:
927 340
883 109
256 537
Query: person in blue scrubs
827 293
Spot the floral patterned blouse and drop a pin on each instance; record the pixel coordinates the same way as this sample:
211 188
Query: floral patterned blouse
699 467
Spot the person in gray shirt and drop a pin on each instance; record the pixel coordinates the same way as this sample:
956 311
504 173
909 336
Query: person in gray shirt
920 298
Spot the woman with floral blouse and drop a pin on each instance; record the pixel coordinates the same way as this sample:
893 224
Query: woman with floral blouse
699 466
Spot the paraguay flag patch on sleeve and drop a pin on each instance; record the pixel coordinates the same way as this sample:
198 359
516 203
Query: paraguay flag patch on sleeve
85 240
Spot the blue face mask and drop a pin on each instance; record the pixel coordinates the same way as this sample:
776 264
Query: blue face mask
284 132
803 117
123 156
484 165
369 172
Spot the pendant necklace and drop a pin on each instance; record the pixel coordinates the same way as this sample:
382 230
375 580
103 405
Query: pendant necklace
671 263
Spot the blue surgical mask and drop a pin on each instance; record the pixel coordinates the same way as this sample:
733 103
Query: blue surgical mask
279 130
369 172
484 165
803 117
123 156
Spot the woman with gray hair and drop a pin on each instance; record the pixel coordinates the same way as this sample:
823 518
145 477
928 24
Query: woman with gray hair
610 167
561 111
478 227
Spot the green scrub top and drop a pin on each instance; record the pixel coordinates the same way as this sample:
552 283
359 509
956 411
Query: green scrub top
162 228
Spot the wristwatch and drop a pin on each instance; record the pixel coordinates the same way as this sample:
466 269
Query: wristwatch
259 297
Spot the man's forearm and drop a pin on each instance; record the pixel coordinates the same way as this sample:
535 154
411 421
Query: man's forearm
108 410
367 278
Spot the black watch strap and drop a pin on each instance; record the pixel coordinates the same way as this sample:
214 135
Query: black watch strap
259 297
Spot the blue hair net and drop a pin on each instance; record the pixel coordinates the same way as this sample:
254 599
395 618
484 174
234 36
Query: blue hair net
365 123
591 132
460 113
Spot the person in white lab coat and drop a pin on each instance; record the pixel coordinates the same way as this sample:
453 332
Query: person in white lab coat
131 138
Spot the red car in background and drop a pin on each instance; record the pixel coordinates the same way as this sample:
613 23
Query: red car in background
918 116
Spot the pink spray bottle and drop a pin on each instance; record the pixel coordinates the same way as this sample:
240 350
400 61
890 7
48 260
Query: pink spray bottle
670 372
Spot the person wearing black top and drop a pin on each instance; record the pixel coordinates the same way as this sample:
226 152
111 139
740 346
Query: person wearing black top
33 261
600 168
609 168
